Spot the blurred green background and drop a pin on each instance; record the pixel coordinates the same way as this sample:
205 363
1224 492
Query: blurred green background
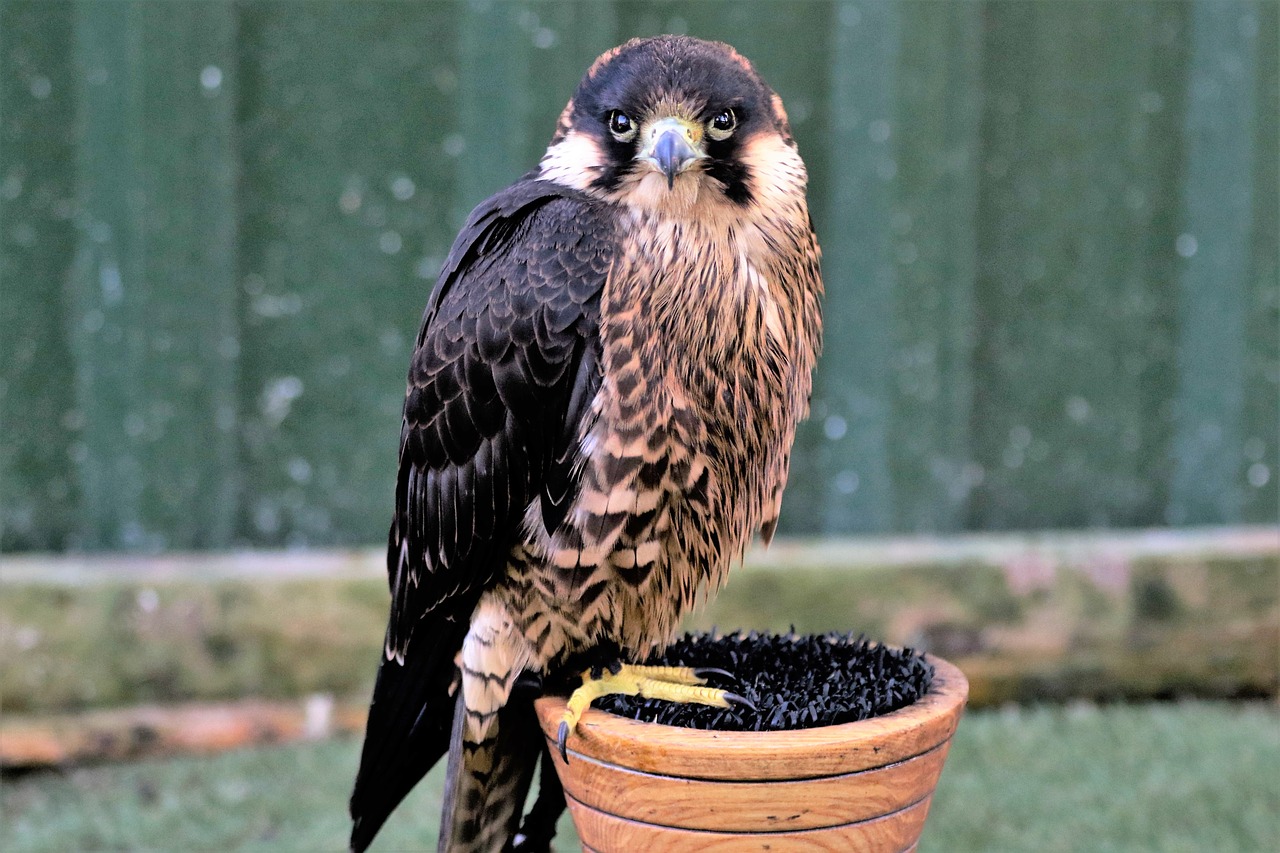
1050 234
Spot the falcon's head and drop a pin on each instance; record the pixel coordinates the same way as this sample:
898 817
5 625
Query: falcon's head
672 121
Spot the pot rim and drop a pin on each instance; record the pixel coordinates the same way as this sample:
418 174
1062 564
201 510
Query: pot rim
918 728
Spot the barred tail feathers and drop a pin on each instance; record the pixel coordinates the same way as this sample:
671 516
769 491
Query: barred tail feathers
495 742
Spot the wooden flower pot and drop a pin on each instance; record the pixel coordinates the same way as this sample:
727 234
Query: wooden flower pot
862 786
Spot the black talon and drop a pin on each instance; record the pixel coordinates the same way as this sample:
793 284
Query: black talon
743 701
562 740
615 666
704 671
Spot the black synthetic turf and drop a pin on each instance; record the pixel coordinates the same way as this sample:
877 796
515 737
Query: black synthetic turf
795 681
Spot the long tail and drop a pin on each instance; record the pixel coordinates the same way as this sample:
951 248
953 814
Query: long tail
409 726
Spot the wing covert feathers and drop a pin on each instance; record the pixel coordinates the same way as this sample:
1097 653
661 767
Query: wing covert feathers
502 375
496 394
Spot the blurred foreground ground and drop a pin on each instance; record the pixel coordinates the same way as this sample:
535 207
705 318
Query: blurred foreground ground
1150 777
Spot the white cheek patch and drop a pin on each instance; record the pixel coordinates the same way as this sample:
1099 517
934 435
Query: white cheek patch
574 161
777 172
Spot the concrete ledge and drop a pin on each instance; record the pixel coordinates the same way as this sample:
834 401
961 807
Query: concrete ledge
1027 616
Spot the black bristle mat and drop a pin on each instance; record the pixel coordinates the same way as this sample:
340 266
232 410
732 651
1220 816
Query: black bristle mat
795 681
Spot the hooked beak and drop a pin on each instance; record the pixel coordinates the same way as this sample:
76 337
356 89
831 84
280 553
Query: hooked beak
672 145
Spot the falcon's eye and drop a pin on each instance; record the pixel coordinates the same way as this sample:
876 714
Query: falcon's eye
621 126
722 124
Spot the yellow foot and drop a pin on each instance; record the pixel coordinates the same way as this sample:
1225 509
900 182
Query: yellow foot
673 683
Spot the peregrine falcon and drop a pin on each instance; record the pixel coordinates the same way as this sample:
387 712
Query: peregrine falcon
599 417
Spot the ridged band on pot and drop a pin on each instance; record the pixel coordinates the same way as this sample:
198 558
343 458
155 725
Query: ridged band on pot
857 786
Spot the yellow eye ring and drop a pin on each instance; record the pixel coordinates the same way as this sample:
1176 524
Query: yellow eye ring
621 126
722 124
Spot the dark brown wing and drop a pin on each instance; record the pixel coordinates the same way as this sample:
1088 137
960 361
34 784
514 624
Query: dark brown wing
503 374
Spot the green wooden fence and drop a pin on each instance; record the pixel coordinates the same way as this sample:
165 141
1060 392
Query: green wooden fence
1050 234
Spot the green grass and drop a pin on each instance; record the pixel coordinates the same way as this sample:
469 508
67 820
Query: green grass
1195 777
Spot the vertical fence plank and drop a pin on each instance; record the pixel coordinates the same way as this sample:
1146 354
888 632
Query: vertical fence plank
934 232
39 422
351 168
152 283
846 474
104 46
1154 152
1259 470
493 118
1218 208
